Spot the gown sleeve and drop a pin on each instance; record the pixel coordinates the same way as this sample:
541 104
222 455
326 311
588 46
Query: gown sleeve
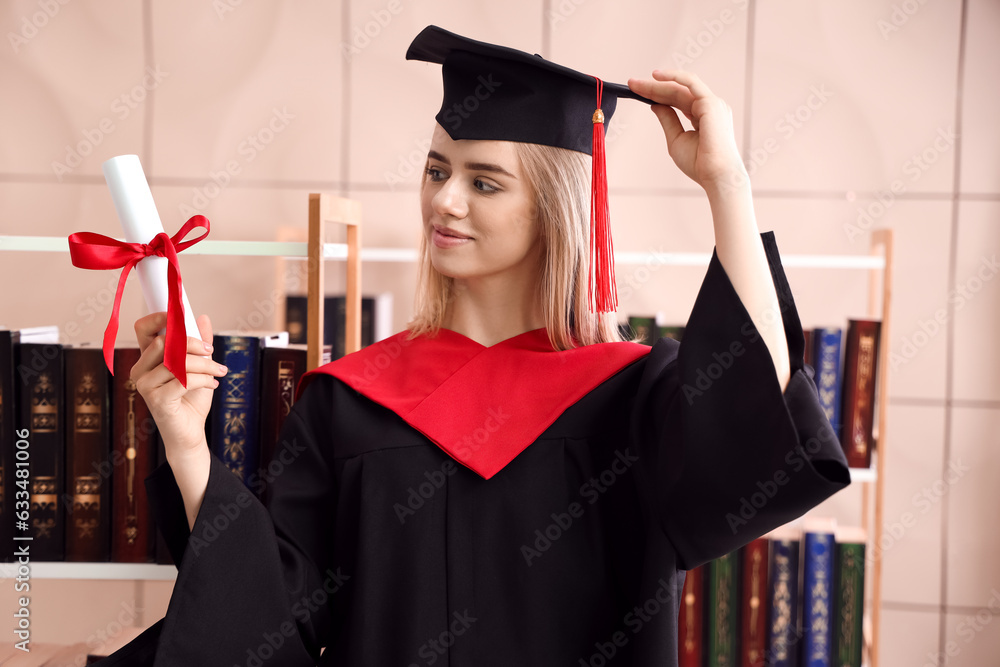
727 454
252 576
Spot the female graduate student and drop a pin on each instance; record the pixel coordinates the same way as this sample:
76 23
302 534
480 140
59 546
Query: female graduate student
506 482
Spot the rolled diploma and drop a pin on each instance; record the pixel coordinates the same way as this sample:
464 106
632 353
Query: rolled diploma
140 222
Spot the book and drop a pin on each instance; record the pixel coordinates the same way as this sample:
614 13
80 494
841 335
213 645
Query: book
689 623
783 598
753 603
817 591
807 350
234 417
722 603
39 389
376 320
88 451
643 328
133 458
849 601
826 353
281 370
860 365
675 332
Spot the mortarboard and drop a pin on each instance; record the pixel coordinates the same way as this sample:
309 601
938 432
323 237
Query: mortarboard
498 93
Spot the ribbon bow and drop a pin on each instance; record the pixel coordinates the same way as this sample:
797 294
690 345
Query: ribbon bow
88 250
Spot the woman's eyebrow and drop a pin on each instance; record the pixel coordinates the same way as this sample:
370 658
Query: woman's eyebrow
472 166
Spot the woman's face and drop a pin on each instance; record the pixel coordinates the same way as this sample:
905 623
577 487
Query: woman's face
477 209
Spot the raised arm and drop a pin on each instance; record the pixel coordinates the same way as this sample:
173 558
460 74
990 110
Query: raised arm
709 156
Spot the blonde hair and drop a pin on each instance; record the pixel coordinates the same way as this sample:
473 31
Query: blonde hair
560 185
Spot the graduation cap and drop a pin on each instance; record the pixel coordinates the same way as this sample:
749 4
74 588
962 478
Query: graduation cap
498 93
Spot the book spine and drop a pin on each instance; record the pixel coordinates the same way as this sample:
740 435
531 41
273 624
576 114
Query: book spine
8 440
296 318
281 370
850 603
88 450
783 631
671 332
644 328
133 438
753 613
235 433
817 584
860 360
39 383
828 374
807 351
689 626
723 606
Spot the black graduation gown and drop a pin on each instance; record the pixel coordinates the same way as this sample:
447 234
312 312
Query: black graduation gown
376 544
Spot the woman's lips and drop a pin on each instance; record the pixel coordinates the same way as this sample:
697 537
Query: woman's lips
445 241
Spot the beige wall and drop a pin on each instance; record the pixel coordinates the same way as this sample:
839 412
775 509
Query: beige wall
834 103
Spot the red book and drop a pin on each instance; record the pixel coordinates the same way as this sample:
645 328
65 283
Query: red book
807 353
282 369
133 458
689 626
753 610
858 408
88 448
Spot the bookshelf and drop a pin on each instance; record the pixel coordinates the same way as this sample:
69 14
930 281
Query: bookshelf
325 209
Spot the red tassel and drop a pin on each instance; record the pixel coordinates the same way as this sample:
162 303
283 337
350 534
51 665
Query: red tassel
602 262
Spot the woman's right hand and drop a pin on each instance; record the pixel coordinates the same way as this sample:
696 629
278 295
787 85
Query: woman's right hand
179 412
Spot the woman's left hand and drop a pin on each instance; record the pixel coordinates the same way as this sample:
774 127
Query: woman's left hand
707 154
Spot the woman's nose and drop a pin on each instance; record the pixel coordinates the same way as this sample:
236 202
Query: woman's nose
450 200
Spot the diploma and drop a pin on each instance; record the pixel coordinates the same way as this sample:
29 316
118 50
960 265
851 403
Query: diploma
140 223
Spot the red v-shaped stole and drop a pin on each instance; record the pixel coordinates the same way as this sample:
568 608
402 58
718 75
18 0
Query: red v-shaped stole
482 405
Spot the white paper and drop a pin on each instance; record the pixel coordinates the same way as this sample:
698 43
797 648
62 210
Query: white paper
140 222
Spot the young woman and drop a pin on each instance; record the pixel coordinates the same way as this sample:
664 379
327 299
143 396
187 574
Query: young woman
506 482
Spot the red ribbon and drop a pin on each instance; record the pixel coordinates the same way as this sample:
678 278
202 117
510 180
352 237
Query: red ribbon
96 251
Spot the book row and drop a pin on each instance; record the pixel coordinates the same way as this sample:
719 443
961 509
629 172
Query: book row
844 366
791 598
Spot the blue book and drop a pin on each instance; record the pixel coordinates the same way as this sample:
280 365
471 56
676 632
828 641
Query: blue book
826 353
234 420
783 603
817 592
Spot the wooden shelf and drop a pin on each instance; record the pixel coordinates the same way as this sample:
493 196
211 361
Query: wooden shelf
129 571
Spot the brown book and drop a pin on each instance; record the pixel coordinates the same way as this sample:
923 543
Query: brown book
689 625
807 352
858 407
753 613
282 368
88 450
133 458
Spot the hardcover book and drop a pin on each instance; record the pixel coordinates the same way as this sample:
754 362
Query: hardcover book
643 328
826 353
783 606
134 439
753 606
8 439
817 595
39 385
850 596
723 610
860 364
689 624
88 453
